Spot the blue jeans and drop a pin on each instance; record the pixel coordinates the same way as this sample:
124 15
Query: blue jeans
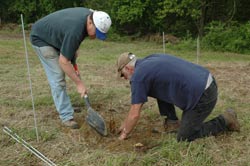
49 58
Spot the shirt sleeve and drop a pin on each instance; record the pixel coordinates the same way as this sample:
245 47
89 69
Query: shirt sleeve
69 47
139 92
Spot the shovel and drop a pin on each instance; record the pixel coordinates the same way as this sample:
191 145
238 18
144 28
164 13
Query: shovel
94 119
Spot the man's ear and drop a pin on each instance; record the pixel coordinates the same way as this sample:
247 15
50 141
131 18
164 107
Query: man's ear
129 68
126 67
89 21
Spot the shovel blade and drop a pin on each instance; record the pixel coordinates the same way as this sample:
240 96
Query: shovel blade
96 121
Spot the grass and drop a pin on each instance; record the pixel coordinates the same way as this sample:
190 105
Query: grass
84 147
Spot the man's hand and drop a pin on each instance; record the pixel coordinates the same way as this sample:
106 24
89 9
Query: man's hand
69 70
130 121
123 135
81 89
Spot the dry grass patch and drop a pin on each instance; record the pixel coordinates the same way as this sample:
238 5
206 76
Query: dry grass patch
111 98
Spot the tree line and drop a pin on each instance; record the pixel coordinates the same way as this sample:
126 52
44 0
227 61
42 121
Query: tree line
139 16
143 17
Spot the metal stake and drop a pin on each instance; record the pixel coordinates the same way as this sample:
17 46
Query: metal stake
30 83
28 146
163 42
198 53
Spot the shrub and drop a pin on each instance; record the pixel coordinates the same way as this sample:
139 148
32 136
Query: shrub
233 37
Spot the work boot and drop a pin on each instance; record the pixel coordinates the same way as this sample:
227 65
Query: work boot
171 126
231 120
71 124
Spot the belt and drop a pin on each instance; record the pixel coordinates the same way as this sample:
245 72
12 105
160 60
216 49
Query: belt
209 80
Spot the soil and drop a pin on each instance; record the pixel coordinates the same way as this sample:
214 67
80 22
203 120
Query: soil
144 134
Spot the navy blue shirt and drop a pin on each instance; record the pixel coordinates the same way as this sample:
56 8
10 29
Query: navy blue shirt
169 79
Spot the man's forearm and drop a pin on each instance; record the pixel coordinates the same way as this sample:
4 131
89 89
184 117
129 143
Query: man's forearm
68 69
131 121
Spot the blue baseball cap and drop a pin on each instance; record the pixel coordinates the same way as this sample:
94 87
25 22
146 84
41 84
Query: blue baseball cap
100 35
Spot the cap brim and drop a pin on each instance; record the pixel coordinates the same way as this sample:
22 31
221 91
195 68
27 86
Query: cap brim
100 35
119 74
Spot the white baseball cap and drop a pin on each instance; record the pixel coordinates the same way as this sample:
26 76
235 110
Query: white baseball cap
102 23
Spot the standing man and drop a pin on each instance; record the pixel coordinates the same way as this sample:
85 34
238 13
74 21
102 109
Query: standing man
56 39
174 82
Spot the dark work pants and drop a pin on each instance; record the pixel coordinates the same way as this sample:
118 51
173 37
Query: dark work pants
167 109
192 122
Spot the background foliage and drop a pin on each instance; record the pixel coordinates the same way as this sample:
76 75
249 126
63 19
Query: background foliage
233 37
215 18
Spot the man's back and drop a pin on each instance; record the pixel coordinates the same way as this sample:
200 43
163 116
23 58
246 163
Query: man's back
169 79
64 30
